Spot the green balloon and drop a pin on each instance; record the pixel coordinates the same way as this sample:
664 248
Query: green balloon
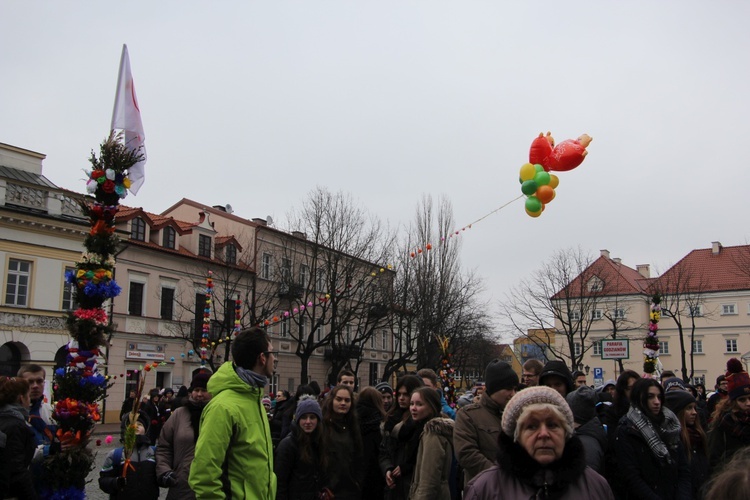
538 167
528 187
533 204
542 178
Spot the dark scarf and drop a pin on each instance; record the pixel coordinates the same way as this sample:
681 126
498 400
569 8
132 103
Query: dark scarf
369 418
195 409
737 424
550 481
696 440
661 437
408 437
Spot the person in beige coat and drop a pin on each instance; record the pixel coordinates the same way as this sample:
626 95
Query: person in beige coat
176 448
435 454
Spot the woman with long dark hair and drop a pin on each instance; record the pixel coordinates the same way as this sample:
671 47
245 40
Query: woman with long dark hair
613 414
650 456
730 428
435 453
684 405
298 458
398 450
370 413
342 444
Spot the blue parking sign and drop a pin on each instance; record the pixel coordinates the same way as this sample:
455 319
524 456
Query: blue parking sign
599 373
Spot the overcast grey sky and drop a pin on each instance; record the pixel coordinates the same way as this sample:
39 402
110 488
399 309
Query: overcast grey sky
254 103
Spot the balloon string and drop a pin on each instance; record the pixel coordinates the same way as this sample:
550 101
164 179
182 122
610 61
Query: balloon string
496 210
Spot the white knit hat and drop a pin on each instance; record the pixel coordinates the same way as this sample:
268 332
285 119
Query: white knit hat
529 396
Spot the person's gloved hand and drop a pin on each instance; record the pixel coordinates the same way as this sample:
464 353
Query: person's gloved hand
168 480
121 483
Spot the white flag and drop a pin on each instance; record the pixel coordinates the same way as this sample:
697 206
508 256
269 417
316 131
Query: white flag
127 117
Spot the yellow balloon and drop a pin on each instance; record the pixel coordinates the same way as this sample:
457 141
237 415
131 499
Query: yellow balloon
533 214
527 172
554 181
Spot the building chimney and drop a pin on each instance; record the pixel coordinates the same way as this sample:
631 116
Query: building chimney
260 222
644 270
715 248
617 260
605 253
299 234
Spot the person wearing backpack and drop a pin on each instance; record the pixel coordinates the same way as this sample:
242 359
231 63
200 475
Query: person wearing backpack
139 483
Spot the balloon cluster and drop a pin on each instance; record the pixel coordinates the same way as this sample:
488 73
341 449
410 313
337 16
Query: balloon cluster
539 187
446 372
651 343
207 318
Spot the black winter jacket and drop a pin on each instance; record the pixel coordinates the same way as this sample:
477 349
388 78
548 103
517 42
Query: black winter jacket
19 450
295 479
369 426
594 440
644 477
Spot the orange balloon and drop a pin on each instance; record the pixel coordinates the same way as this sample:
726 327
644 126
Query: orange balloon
545 194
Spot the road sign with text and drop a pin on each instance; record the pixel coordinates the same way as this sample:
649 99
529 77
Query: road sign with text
615 349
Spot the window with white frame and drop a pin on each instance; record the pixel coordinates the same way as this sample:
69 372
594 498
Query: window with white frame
595 284
304 275
303 328
286 269
373 338
664 347
385 340
731 345
348 333
728 309
574 315
698 346
619 313
135 298
204 245
696 311
68 303
597 347
284 327
265 266
138 229
18 283
168 237
698 380
230 254
318 333
596 314
576 349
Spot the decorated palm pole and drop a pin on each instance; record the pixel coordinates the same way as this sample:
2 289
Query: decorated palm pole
651 363
79 386
446 372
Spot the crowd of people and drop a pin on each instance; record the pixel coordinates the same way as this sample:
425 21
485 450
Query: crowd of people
548 435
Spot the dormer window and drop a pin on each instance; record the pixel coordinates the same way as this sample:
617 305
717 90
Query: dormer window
138 229
230 254
204 246
595 285
168 238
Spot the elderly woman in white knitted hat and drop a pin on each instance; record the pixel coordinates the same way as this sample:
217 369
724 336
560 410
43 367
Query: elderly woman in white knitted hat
539 455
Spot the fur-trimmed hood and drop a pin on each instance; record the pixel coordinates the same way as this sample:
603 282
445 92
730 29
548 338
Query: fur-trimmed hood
440 426
557 476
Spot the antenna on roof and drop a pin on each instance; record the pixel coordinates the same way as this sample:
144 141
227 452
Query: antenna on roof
228 208
269 220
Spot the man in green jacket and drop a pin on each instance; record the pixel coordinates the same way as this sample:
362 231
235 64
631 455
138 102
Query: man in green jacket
234 454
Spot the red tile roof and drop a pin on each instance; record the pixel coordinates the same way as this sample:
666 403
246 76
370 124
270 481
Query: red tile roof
704 271
618 279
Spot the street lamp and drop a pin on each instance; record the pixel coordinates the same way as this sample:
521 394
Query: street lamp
582 368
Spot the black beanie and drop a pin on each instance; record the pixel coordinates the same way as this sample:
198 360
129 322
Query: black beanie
499 375
677 400
560 369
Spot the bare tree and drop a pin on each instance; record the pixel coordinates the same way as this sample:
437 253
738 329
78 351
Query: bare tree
565 291
441 299
346 287
682 291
